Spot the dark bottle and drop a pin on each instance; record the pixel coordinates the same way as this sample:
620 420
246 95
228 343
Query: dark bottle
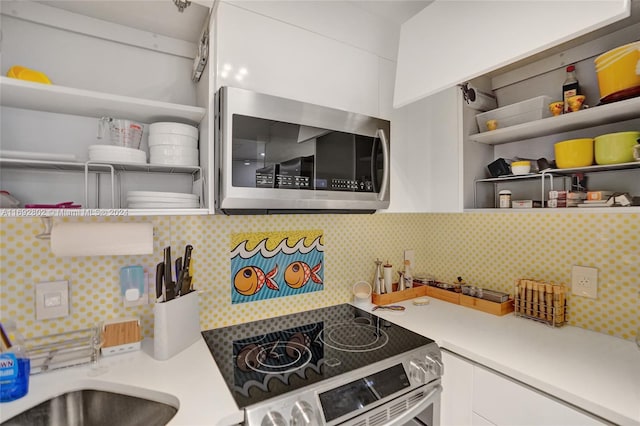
570 87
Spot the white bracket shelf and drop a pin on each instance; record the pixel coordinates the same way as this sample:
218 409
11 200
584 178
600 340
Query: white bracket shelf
66 100
590 117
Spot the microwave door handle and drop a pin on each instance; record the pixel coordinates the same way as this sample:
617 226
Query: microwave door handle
384 186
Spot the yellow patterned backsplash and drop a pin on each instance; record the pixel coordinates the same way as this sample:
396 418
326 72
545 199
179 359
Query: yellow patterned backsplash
490 250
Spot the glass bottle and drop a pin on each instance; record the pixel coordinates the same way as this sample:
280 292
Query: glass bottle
570 87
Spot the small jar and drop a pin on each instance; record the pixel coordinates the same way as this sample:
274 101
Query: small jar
505 199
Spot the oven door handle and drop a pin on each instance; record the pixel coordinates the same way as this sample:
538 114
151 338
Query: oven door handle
384 186
417 409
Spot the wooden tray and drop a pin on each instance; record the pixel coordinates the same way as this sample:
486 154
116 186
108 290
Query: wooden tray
442 294
487 305
398 296
446 295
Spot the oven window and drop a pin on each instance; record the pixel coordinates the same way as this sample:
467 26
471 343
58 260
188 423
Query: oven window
360 393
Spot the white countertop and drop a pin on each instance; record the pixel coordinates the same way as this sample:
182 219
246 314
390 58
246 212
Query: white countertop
596 372
599 373
190 380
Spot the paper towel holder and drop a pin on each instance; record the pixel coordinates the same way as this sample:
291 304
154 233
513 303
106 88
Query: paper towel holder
478 99
47 224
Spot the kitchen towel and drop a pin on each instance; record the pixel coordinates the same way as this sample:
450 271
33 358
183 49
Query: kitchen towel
100 239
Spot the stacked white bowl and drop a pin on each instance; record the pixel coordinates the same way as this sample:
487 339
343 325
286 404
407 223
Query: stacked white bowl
174 144
162 200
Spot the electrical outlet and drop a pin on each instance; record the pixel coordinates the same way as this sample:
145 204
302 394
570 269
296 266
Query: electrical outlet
584 281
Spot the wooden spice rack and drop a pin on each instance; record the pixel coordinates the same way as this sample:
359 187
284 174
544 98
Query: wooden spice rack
419 290
541 301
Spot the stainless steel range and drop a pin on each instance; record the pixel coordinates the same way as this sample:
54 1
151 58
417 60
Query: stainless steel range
335 365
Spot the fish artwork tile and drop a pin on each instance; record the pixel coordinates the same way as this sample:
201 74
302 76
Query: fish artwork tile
269 265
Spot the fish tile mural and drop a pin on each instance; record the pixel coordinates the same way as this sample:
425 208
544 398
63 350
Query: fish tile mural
266 265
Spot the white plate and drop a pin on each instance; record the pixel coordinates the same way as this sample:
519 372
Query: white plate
105 158
174 162
164 205
184 195
46 156
165 127
160 200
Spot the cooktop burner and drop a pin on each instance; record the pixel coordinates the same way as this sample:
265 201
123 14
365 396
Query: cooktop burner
355 336
267 358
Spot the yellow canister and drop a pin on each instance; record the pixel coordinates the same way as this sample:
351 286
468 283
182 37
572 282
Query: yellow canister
616 69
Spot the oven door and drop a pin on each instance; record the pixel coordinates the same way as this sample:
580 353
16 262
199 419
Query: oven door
274 154
419 407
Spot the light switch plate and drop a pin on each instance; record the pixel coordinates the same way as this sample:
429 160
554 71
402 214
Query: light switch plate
52 299
584 281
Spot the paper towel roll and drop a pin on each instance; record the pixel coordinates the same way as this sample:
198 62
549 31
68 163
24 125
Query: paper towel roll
99 239
478 99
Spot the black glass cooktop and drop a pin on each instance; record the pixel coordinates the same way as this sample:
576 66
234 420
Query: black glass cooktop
263 359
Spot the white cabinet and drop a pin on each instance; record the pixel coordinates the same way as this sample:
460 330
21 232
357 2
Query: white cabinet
477 420
307 51
505 402
101 63
425 154
474 395
457 387
449 42
536 139
440 160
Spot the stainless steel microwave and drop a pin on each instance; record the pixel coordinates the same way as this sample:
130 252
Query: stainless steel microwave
276 155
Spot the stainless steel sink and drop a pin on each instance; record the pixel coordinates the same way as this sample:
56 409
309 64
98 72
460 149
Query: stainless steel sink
95 408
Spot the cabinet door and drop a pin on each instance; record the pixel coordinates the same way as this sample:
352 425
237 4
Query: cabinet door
457 386
477 420
504 402
426 155
278 58
449 42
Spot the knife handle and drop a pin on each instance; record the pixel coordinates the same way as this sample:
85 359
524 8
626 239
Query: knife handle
187 257
178 268
159 281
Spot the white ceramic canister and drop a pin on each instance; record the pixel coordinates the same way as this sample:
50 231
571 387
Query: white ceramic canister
388 277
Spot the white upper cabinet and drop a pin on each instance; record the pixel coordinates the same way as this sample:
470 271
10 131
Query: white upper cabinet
425 155
452 41
132 62
327 53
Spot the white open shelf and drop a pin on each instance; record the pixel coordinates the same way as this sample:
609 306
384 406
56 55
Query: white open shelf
590 117
16 163
66 100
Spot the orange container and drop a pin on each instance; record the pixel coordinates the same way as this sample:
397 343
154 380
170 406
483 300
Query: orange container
616 69
574 153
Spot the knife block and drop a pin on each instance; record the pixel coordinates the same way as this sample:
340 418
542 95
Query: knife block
176 325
